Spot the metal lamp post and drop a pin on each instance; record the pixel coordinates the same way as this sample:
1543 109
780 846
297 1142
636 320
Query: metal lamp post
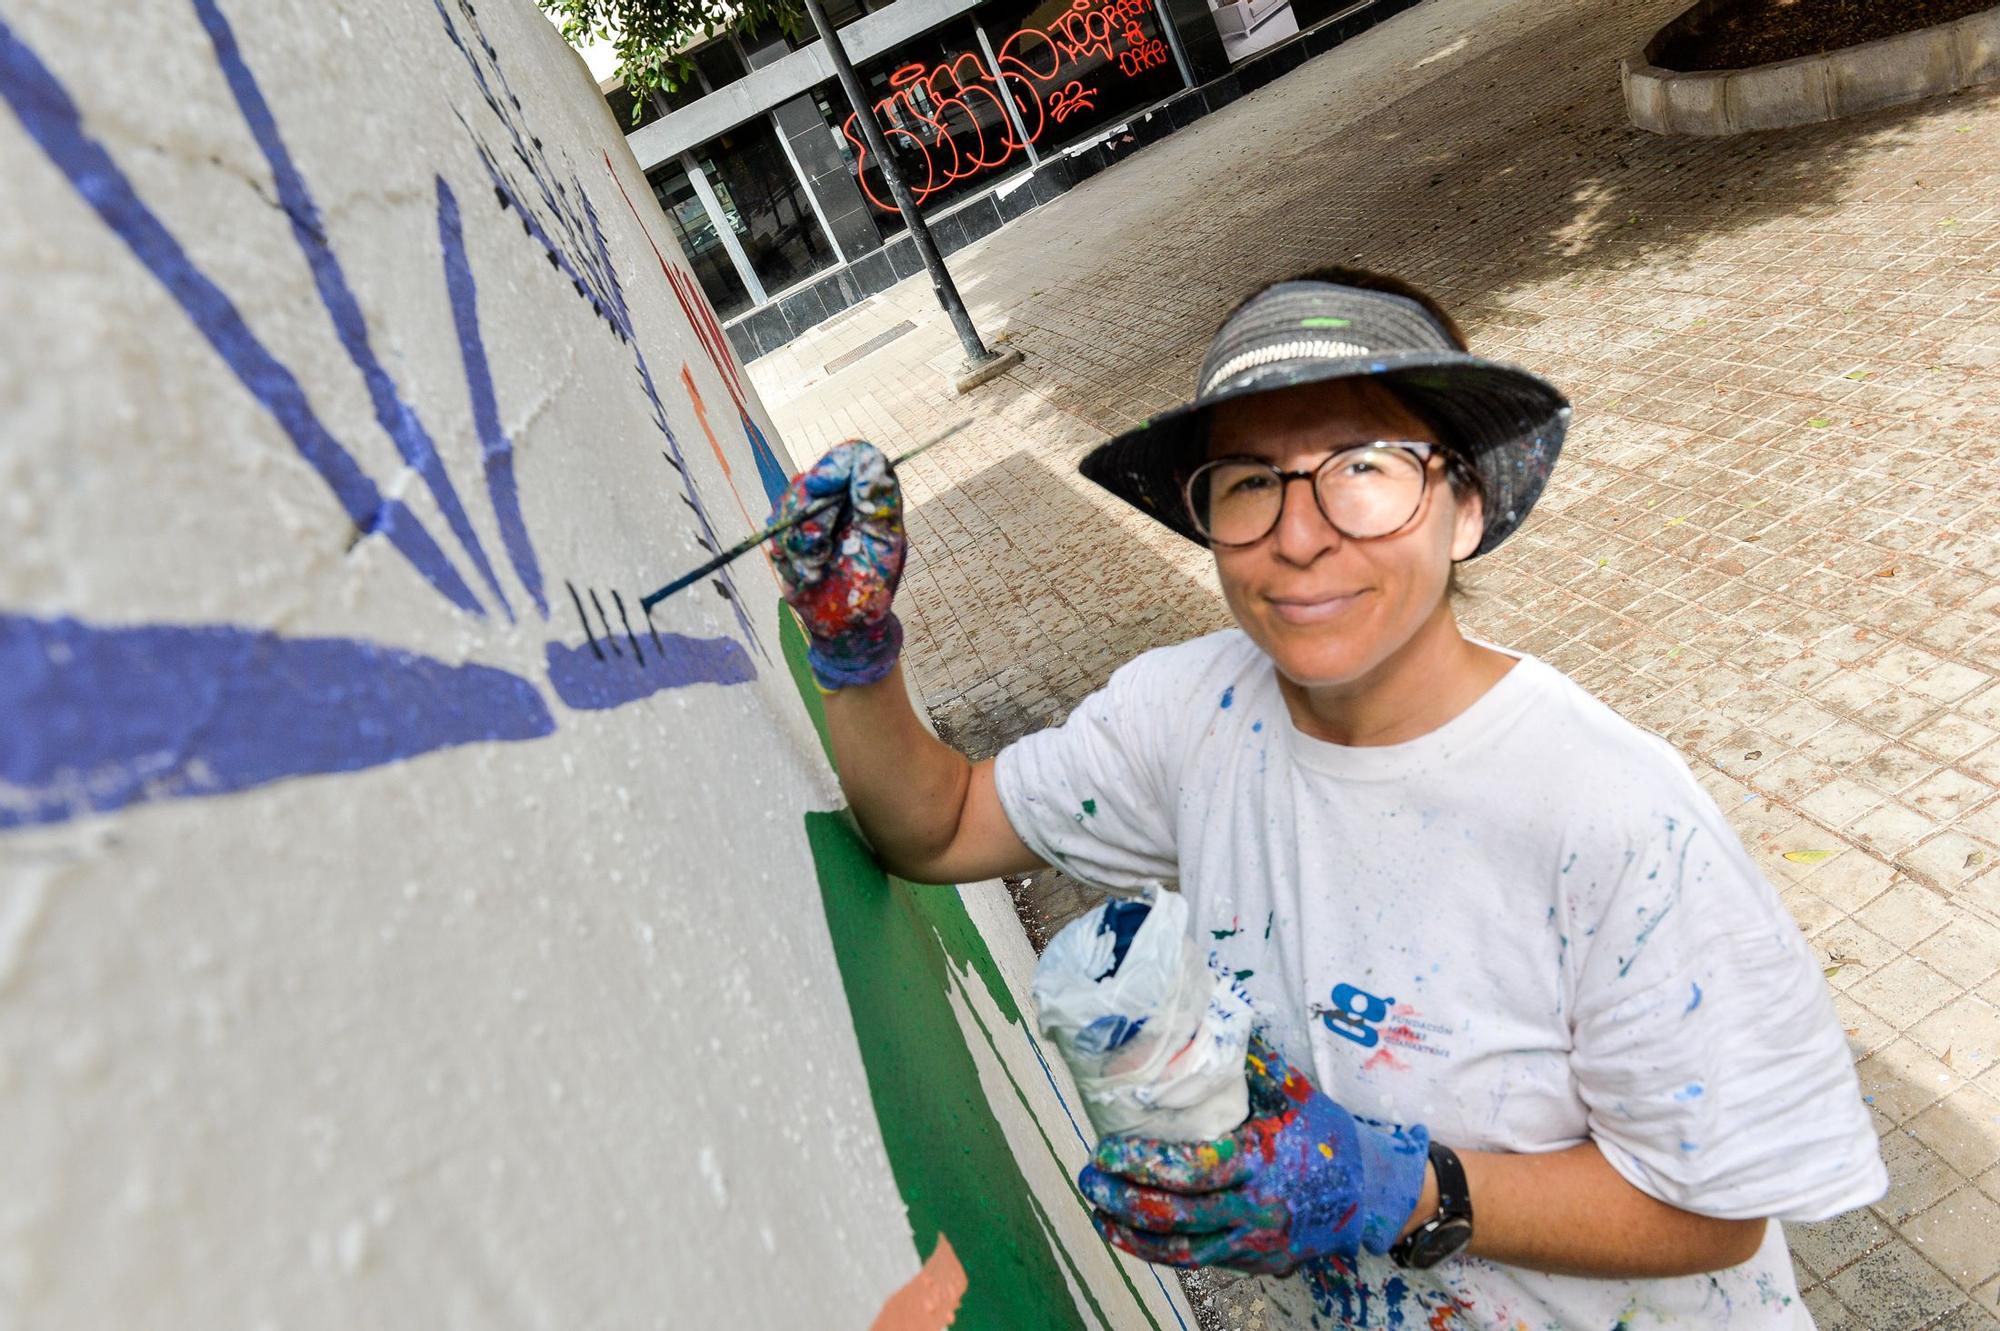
977 355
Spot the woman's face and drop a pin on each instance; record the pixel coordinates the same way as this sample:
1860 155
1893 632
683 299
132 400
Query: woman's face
1330 610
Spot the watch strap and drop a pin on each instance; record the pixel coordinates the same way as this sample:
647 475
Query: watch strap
1454 1198
1454 1208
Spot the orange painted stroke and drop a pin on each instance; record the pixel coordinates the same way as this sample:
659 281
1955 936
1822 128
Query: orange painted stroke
701 414
930 1301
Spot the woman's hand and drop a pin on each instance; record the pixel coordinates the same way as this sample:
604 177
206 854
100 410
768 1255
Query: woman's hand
1302 1178
840 568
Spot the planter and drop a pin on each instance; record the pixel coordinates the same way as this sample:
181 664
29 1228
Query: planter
1905 68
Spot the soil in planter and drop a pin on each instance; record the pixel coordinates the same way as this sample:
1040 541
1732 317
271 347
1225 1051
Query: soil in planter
1758 32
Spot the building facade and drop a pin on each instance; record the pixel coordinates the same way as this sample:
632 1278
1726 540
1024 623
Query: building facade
991 107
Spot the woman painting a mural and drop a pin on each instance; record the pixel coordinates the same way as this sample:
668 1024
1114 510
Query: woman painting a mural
1539 1045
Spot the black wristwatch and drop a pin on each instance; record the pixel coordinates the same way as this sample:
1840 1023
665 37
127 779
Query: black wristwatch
1446 1233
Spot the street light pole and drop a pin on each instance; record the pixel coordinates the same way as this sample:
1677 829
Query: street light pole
976 353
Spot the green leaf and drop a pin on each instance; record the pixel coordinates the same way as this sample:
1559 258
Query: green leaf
1819 422
1809 856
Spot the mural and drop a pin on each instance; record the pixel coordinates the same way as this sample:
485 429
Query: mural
398 925
135 750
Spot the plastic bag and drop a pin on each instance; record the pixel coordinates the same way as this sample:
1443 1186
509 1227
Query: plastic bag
1155 1035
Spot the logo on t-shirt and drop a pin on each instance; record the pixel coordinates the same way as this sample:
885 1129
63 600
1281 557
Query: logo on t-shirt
1357 1015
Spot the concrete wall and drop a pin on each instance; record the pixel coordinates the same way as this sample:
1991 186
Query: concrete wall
396 929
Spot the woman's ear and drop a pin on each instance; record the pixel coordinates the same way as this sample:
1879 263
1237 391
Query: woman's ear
1468 526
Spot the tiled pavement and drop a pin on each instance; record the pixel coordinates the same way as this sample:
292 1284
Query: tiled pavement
1774 537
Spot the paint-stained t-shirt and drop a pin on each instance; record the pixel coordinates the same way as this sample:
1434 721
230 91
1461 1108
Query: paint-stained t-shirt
1526 929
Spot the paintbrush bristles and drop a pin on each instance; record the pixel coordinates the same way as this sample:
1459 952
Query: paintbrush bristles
745 546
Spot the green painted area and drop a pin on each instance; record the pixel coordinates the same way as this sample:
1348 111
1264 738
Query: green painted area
900 948
792 641
950 1156
1090 807
1323 321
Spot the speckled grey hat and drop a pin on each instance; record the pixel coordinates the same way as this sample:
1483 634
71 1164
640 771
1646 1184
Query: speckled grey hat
1506 422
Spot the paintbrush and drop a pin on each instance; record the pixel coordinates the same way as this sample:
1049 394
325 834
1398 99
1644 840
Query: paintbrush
749 543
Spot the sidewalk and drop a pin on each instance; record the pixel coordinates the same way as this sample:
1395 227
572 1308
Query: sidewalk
1774 537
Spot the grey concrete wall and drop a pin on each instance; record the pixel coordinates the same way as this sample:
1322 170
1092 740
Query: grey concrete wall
398 927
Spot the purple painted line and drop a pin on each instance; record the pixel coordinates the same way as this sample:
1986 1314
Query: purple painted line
497 448
51 118
93 718
396 417
585 682
536 162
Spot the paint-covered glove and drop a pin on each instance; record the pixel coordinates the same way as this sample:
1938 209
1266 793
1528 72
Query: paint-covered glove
1301 1179
840 569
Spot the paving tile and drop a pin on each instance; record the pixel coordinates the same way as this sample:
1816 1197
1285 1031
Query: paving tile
1852 879
1895 1287
1907 914
1852 951
1951 735
1828 1312
1966 950
1963 1027
1891 828
1825 1247
1904 1079
1971 1317
1947 860
1963 1129
1905 991
1960 1235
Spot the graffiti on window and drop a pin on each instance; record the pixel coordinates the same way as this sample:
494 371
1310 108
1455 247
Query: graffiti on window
948 122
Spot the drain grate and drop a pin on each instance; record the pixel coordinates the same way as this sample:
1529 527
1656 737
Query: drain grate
872 345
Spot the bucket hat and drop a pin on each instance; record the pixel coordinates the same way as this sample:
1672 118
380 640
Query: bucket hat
1506 422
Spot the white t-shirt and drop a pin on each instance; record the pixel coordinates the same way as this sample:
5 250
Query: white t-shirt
1525 929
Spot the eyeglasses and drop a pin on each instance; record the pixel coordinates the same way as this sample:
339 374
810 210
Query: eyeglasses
1365 492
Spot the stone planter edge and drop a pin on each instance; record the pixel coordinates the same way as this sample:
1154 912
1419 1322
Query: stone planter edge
1890 71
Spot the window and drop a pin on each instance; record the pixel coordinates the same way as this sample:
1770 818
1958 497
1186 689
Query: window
769 208
695 230
1075 66
720 64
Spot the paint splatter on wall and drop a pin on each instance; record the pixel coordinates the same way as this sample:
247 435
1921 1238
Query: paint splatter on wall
386 901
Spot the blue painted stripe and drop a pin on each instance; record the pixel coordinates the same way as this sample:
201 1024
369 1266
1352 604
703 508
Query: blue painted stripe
95 718
397 418
588 683
497 448
53 121
768 469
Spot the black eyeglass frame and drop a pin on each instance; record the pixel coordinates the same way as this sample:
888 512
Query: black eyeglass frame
1423 452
